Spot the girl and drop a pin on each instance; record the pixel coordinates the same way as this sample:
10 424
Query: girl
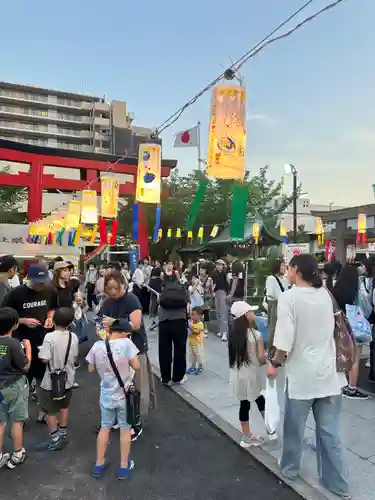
246 356
196 293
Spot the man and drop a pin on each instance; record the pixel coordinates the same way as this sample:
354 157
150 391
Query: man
138 280
147 268
8 270
221 288
35 303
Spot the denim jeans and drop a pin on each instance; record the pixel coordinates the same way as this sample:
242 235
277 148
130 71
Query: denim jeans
328 444
221 307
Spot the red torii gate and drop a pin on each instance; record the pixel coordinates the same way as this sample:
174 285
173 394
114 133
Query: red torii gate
35 180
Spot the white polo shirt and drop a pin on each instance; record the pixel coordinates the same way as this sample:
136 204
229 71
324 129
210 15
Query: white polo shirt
304 330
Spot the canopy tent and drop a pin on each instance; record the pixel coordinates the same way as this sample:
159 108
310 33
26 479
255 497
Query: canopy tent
13 241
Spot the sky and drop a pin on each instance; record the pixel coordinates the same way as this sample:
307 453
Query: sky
310 96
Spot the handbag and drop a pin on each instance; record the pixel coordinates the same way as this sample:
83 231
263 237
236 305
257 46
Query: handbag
132 395
344 339
60 377
361 328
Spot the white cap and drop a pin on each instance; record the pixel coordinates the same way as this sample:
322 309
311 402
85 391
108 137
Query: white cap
240 308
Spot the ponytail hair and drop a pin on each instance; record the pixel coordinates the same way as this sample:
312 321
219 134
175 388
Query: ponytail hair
307 267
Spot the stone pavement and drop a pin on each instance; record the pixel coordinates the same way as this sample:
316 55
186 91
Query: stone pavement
209 393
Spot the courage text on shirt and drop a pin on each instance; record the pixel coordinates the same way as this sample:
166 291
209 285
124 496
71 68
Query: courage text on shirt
31 305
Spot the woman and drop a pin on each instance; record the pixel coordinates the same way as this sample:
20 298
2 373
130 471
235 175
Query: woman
349 290
276 284
246 356
221 290
124 308
208 287
155 285
304 338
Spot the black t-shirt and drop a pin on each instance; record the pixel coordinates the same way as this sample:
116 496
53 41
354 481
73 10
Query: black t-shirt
12 361
220 281
31 303
121 309
65 296
238 271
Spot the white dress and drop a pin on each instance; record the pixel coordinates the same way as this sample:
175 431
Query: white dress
247 382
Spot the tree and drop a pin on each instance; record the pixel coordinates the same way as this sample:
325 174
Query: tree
215 208
11 199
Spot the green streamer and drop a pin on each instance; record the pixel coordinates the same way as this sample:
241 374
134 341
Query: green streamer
195 206
238 217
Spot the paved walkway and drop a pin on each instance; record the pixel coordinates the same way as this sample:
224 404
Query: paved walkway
358 424
181 456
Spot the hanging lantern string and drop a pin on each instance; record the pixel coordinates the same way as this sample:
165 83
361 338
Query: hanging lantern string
89 184
229 73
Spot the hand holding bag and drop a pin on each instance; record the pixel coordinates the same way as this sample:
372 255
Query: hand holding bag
132 395
272 409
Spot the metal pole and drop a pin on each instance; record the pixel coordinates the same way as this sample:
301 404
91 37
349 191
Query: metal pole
295 196
199 144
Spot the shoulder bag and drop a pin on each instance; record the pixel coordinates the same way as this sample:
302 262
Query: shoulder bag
60 377
132 395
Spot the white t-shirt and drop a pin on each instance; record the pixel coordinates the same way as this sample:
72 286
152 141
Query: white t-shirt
304 330
273 290
15 281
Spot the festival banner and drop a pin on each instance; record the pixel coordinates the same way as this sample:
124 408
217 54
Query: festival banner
109 197
227 133
149 173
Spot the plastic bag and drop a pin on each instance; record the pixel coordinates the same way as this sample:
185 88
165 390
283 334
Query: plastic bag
272 410
359 324
262 324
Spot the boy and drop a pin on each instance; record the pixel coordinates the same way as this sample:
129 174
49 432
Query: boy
60 352
196 335
112 397
14 388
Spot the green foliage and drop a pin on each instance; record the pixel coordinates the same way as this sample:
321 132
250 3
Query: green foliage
10 200
215 209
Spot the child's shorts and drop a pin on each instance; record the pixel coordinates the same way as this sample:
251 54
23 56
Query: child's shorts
112 416
51 406
15 402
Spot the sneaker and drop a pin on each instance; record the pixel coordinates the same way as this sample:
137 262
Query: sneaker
224 338
354 393
136 433
97 471
191 371
4 459
272 436
17 458
199 370
182 381
57 443
75 385
115 427
124 472
253 441
219 335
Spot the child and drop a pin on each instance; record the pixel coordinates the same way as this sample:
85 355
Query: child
60 352
112 397
196 293
196 334
14 388
246 356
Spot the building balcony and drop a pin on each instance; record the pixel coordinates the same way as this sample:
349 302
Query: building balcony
44 101
34 115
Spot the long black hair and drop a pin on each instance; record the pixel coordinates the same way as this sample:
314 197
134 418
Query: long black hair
238 344
307 267
346 287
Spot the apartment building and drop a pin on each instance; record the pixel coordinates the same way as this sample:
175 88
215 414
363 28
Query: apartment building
59 119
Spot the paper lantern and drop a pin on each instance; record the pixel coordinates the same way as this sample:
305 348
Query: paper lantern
227 134
178 233
361 228
160 234
283 232
256 232
319 229
200 233
190 235
149 173
110 188
73 215
214 231
89 207
169 233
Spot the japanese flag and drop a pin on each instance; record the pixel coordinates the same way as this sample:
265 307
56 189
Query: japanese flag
187 138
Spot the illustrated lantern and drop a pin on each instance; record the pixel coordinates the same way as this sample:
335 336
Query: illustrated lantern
227 134
109 197
89 207
361 229
319 229
149 174
256 232
73 215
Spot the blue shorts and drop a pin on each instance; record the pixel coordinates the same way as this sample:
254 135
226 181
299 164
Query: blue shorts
112 416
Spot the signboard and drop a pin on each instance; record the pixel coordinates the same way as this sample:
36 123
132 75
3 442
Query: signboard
350 252
289 251
133 258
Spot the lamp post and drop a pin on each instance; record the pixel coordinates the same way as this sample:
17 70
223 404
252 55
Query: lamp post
291 169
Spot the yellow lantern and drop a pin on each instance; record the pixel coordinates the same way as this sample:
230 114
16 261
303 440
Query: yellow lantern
214 231
319 229
160 234
110 196
178 233
227 134
200 233
256 232
73 216
89 207
169 233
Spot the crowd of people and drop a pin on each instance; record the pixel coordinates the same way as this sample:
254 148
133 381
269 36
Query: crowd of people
42 323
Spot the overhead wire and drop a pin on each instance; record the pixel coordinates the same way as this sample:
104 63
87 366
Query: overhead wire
231 71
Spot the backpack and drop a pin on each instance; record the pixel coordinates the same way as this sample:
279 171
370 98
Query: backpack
173 296
344 340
